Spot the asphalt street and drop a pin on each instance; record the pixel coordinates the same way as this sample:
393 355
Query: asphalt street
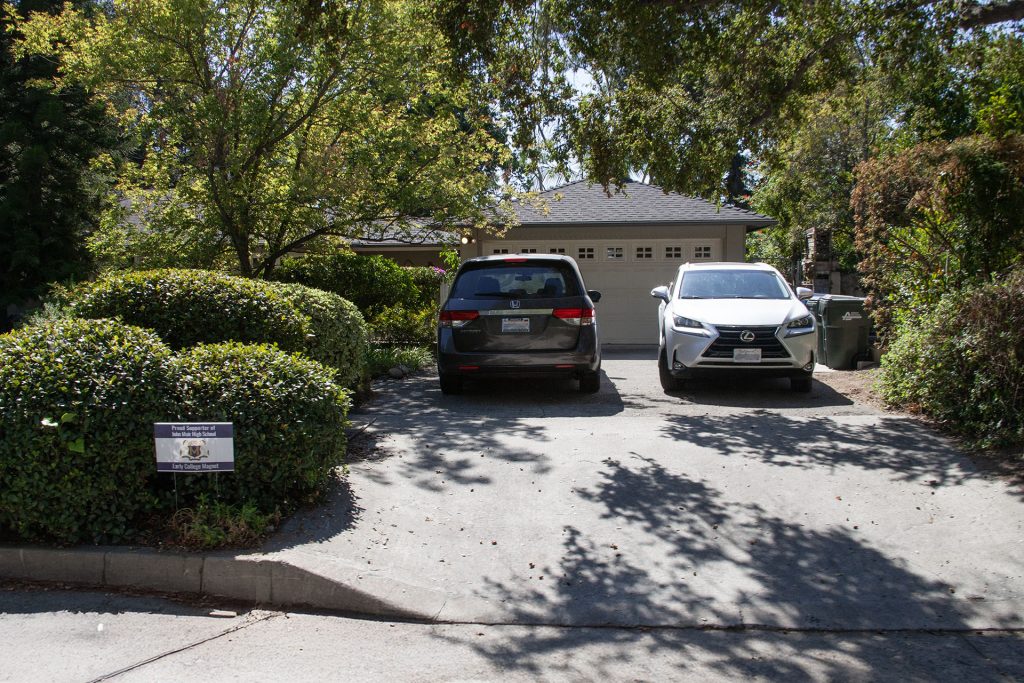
56 636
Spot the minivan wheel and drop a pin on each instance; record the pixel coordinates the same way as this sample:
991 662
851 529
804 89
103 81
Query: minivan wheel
590 382
451 385
668 382
801 384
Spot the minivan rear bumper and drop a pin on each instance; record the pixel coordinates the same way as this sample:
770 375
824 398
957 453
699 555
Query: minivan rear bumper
585 358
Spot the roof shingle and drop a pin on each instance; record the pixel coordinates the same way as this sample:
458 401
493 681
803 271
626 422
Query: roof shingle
586 203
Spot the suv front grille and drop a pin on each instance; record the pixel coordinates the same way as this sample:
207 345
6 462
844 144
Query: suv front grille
729 339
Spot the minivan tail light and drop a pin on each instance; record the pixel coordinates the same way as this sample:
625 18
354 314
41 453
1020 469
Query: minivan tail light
575 316
458 319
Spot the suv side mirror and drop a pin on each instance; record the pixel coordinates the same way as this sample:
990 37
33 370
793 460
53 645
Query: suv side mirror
594 295
803 293
660 293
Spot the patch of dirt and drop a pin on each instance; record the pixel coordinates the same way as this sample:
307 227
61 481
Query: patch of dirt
857 385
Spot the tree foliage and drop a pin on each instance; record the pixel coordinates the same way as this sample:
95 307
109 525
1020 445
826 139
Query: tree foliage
675 90
50 142
264 125
936 218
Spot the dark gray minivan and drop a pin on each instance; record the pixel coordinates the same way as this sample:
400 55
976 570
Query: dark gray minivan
518 315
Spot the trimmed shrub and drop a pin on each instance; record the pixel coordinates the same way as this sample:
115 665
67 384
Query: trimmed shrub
370 282
189 307
337 330
78 399
963 363
289 415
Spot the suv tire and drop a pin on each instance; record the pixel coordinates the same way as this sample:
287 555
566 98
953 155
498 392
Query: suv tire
668 382
800 384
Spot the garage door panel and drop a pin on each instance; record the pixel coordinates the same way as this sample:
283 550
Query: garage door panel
627 314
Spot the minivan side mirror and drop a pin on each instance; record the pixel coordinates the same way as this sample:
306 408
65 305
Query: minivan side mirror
803 293
660 293
594 295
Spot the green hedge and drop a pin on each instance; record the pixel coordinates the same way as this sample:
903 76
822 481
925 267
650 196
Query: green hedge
78 399
370 282
289 415
189 307
963 363
338 334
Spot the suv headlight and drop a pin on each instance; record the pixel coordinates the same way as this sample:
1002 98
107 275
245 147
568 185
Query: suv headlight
688 325
804 325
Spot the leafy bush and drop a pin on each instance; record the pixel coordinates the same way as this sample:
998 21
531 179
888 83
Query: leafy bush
78 399
288 414
188 307
337 330
427 280
963 363
370 282
405 325
380 359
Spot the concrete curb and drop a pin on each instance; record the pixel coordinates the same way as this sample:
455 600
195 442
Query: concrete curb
250 578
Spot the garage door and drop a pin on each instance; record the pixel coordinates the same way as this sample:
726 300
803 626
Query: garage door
625 273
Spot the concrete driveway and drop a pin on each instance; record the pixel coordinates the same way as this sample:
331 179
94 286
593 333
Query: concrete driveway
730 503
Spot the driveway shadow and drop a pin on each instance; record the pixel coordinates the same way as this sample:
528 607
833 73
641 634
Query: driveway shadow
904 447
754 392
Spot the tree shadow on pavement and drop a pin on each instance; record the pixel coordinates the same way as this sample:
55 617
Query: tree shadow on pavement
909 450
724 564
443 438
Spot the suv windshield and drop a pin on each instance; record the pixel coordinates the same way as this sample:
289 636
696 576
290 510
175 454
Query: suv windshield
516 281
732 284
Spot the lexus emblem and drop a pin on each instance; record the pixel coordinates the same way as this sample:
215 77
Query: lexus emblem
746 336
514 303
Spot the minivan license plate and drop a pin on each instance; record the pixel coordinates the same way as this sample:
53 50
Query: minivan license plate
515 324
746 355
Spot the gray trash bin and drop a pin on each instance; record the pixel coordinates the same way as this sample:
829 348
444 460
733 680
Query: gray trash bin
843 330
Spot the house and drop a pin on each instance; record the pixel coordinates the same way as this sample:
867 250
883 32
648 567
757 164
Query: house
625 244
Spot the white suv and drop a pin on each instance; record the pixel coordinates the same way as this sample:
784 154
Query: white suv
734 317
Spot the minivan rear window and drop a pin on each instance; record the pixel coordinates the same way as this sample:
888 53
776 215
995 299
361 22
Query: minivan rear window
527 280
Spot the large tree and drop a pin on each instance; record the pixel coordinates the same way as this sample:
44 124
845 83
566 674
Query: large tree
49 188
264 125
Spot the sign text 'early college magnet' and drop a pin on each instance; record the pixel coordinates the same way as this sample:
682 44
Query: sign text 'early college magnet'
194 446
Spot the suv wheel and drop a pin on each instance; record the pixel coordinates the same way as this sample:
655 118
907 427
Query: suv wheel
801 384
668 382
451 385
590 382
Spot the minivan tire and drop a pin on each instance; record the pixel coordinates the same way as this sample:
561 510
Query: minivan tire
590 382
450 385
